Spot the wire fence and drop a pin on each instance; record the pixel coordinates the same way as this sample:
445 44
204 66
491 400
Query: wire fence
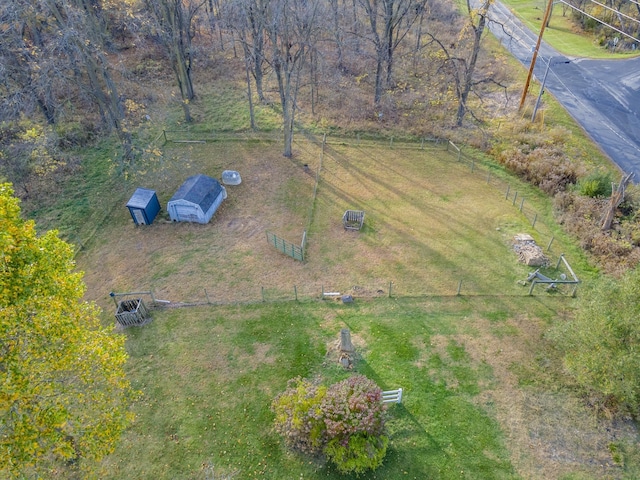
558 280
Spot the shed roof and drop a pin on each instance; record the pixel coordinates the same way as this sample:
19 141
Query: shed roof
199 189
141 198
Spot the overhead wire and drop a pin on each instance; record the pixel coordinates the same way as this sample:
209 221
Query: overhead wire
599 20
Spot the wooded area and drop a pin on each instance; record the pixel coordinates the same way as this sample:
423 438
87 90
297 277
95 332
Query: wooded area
63 61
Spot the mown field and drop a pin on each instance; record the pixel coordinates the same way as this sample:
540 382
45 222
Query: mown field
484 393
425 230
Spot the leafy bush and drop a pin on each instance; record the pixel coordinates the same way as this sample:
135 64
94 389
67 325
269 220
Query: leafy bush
354 417
299 417
601 345
345 422
596 185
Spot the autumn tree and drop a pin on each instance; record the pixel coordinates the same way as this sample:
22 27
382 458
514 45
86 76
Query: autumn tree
54 53
63 392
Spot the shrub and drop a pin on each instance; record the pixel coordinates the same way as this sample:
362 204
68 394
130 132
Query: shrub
354 417
299 417
344 421
600 345
596 185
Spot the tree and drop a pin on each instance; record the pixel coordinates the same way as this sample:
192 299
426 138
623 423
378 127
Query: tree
52 53
389 21
174 27
290 27
63 392
460 58
247 18
601 344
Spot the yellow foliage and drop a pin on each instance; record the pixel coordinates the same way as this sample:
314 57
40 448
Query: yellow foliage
63 392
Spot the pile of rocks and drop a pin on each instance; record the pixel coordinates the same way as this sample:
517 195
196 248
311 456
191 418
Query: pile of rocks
528 251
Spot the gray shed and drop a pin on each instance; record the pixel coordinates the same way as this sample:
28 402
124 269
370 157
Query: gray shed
143 206
196 200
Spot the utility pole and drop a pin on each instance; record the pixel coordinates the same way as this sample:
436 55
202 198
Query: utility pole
544 81
547 14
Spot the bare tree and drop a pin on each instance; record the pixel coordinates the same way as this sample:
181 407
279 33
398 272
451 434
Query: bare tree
461 57
247 19
29 74
389 23
174 27
79 34
290 27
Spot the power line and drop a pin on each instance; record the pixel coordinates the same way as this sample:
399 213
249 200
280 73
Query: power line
616 11
599 21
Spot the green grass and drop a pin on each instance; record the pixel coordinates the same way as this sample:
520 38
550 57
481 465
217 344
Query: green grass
208 376
561 32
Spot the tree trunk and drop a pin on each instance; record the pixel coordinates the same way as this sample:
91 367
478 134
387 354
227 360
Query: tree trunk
617 197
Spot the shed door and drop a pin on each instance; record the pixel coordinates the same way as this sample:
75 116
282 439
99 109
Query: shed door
138 216
186 213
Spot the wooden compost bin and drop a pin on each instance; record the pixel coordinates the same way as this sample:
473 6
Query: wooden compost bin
132 312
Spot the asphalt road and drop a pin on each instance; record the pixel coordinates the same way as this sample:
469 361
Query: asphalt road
603 96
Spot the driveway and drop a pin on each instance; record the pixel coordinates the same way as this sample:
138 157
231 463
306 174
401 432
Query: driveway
603 96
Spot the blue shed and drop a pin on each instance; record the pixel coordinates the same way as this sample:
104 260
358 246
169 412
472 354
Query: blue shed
196 200
143 206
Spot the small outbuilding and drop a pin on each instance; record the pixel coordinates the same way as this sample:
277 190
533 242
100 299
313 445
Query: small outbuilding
143 206
196 200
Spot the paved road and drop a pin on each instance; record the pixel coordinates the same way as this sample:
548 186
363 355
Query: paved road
603 96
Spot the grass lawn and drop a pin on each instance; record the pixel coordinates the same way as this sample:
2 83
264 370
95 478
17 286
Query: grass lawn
207 376
481 400
561 33
425 230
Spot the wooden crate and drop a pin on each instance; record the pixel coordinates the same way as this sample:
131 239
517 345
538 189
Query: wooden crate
132 312
353 219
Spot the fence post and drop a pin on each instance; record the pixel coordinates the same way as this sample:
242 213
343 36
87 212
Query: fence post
391 143
390 286
515 195
164 133
522 204
207 295
535 217
262 290
459 288
506 195
550 242
295 292
473 164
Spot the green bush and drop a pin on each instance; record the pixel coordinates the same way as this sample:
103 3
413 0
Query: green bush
299 417
345 422
601 345
596 185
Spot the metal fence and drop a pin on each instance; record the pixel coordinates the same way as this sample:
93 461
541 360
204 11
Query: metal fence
288 248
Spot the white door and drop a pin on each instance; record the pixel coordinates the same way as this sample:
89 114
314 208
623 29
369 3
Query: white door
139 217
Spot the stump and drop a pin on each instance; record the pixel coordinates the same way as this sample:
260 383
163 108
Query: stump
347 350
